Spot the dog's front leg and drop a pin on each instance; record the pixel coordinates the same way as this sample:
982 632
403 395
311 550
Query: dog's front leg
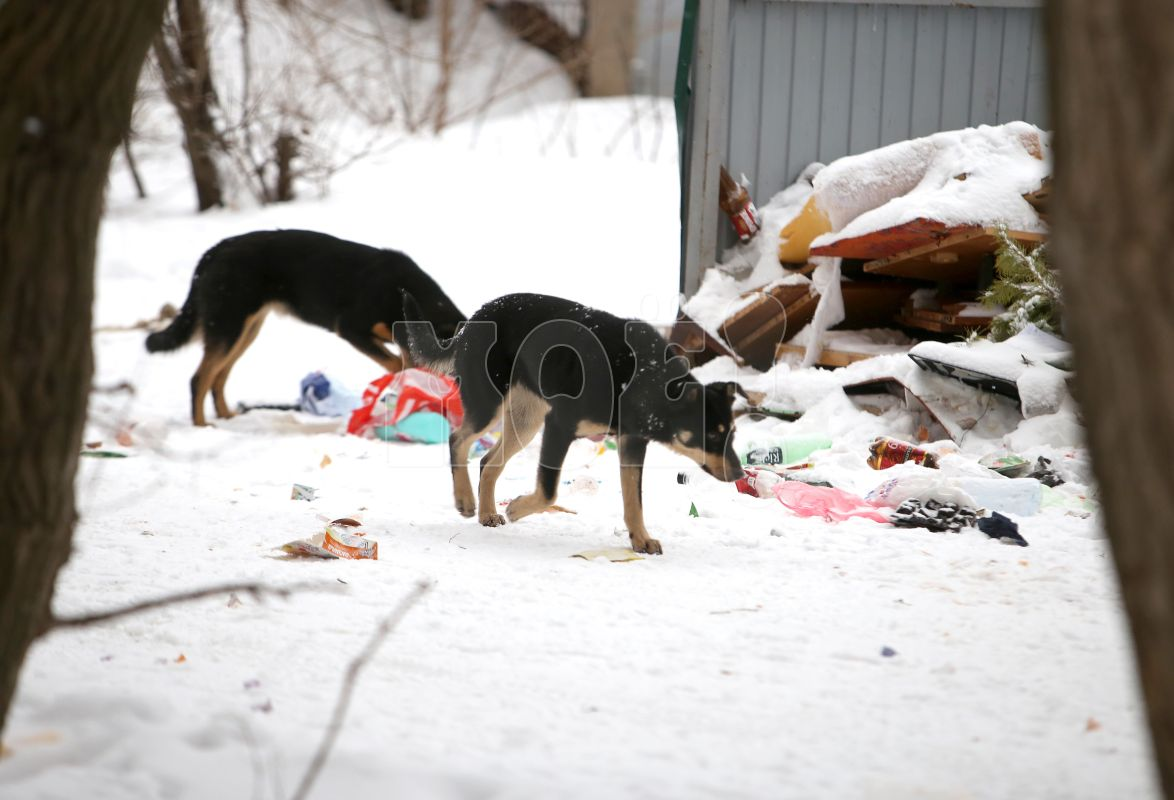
632 450
556 441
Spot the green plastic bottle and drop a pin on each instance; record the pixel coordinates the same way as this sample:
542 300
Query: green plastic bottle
779 450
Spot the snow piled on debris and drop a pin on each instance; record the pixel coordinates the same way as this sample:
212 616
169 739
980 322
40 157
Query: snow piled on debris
974 176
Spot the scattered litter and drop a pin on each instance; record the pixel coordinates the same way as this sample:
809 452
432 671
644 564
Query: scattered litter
302 492
585 484
934 516
342 538
486 442
311 546
885 452
412 405
734 610
124 437
615 554
888 652
103 453
1070 500
1006 464
923 488
1000 527
757 483
181 659
1091 725
324 397
1021 496
760 481
1045 474
233 600
833 505
924 417
779 450
326 462
693 510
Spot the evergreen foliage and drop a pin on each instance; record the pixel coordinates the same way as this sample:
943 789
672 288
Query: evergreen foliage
1026 286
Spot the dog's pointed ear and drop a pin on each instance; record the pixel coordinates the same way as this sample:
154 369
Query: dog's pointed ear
727 389
411 307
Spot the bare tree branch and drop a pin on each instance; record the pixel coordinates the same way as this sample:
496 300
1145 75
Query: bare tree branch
257 590
348 685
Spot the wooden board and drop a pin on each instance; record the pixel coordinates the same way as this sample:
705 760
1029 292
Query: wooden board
758 347
694 343
765 307
939 326
873 304
1040 197
947 317
827 358
897 239
954 259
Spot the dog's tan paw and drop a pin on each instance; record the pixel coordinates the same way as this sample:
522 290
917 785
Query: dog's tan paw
646 545
467 506
492 520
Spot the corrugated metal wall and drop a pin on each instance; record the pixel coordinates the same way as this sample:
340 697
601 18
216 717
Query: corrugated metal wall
814 81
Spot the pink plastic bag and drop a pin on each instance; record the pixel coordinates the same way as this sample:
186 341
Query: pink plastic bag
834 505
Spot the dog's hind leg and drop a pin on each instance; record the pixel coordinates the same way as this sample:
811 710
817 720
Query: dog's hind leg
522 417
214 355
556 440
632 450
248 335
459 443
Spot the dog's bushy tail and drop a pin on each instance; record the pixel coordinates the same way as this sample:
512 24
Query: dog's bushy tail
178 333
181 329
425 349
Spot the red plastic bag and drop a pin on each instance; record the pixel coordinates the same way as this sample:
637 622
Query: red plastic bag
390 398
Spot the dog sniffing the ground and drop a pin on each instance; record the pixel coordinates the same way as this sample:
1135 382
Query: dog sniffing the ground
533 360
351 289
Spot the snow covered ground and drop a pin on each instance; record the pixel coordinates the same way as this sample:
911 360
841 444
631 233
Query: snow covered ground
746 662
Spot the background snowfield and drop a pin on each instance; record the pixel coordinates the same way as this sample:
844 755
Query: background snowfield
746 662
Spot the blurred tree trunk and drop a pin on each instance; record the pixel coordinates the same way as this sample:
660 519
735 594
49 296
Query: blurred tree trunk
1112 68
537 27
610 43
181 50
69 70
412 9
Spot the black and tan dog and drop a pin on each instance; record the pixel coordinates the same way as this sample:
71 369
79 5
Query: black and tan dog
533 360
351 289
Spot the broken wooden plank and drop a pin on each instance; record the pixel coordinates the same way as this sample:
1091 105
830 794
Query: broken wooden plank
828 357
689 339
947 316
758 346
1040 197
964 325
887 241
954 259
765 307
